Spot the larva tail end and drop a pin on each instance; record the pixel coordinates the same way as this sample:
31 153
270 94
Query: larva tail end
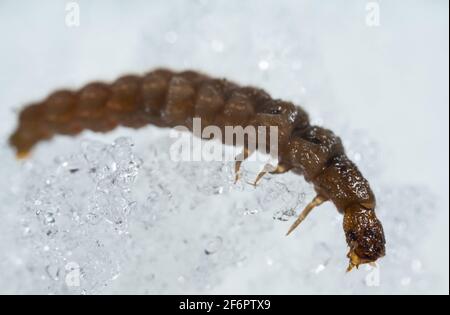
21 144
22 155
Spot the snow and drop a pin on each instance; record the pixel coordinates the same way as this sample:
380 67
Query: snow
141 223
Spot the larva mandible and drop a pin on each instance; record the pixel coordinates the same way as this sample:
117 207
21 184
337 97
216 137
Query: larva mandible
166 99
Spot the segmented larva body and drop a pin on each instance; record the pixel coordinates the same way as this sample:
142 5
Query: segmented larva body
166 99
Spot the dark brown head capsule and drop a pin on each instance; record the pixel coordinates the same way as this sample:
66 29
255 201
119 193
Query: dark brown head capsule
364 235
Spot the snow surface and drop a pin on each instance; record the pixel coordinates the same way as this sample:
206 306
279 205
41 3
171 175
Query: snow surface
115 208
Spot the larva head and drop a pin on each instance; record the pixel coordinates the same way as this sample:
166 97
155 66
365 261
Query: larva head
364 235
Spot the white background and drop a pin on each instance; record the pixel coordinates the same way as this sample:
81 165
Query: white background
390 81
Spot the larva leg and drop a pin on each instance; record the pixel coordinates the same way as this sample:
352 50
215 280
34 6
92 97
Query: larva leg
280 169
317 201
239 159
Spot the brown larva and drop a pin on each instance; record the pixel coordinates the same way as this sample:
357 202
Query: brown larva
166 99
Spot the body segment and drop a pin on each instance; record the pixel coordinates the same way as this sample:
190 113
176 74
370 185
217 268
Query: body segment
167 99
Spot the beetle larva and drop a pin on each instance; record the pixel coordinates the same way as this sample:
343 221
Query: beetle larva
166 99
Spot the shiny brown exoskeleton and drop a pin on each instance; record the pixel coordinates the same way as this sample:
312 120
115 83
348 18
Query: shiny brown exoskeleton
166 99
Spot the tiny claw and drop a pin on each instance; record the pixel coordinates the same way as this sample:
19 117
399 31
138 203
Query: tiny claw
237 173
349 268
237 165
237 177
294 225
258 178
269 169
251 183
22 155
